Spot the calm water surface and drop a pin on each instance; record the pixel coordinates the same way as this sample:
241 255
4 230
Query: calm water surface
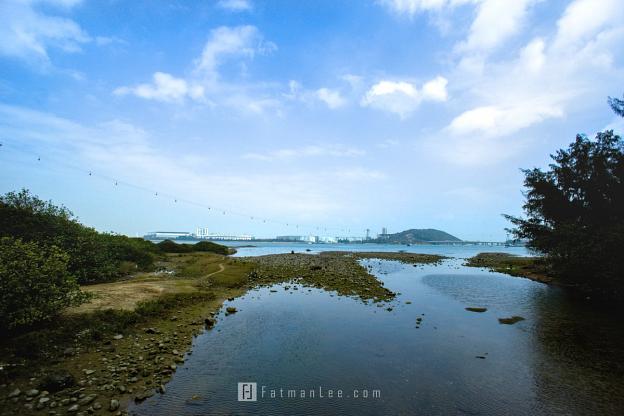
564 358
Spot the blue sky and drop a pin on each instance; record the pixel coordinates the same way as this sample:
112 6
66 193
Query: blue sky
343 115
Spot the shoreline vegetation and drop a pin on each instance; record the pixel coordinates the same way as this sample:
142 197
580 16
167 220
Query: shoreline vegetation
533 268
126 342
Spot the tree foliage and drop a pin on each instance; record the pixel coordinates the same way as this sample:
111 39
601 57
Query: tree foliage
575 213
168 246
35 283
92 256
617 105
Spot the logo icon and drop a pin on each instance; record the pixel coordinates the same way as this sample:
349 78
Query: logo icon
247 392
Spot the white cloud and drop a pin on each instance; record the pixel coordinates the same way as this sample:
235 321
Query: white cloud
550 77
532 56
501 121
235 5
166 88
403 98
239 41
332 98
496 21
205 84
130 154
435 89
27 33
582 19
306 151
412 7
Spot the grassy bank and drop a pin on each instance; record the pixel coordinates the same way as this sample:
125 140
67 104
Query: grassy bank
529 267
336 271
126 343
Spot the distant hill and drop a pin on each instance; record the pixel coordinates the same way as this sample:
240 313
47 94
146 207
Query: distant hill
415 236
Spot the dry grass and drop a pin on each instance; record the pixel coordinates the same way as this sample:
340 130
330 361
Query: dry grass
127 294
184 273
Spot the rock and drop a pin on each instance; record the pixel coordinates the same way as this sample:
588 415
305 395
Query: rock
162 389
69 352
97 406
510 321
476 309
44 400
87 399
73 408
210 322
150 331
89 372
14 393
142 396
57 381
230 310
32 393
118 336
121 388
114 405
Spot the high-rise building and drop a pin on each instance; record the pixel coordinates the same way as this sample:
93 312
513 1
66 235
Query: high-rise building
384 231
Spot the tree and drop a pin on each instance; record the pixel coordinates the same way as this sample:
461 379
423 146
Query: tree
93 256
617 105
34 283
575 213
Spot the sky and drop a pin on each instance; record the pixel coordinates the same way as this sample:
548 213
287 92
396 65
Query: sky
307 117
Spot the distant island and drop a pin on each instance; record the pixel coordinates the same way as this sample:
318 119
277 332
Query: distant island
417 236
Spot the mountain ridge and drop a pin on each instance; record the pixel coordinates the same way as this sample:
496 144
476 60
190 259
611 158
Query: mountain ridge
417 235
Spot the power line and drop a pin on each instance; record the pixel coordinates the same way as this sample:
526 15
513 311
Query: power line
158 194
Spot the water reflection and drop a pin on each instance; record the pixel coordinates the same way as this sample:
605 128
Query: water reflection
564 358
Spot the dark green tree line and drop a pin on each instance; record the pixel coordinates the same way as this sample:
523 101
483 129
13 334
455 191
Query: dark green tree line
575 212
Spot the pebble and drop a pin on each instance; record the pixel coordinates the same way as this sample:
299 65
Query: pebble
114 405
32 393
14 393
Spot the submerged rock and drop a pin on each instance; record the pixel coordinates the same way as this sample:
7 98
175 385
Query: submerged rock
510 321
476 309
230 310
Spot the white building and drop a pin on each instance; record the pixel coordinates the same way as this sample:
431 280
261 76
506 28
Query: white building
167 235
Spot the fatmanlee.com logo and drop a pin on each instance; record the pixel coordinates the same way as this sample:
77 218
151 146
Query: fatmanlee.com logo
248 392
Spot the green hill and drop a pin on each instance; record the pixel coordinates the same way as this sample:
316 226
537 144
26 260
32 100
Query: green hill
415 236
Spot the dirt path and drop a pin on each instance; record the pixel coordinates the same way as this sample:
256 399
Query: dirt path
221 268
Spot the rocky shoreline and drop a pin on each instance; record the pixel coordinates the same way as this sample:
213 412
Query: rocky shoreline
104 377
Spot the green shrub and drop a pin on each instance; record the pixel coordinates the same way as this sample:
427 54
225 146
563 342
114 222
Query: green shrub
35 284
93 256
209 246
168 246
